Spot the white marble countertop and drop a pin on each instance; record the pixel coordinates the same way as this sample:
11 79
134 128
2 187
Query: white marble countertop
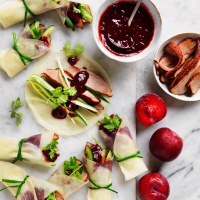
179 16
183 174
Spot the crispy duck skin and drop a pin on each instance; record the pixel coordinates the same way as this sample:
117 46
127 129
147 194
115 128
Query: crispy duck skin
52 77
179 85
94 81
194 84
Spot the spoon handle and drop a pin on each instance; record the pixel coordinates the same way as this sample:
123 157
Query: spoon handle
134 12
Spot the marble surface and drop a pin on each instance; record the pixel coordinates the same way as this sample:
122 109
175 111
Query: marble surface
179 16
183 174
123 77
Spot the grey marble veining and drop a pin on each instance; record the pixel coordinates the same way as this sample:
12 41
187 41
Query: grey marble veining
178 16
183 173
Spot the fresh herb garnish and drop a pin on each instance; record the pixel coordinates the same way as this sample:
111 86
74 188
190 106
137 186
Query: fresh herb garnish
61 96
23 57
77 51
51 148
19 185
73 168
52 196
19 154
14 114
111 123
97 187
27 11
136 155
36 31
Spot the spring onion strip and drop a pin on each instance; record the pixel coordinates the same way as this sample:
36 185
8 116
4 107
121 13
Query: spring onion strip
63 73
19 154
97 187
23 57
136 155
18 186
28 10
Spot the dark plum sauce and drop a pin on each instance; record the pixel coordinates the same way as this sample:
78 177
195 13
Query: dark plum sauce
120 39
79 81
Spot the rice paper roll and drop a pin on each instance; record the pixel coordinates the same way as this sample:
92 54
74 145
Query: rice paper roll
70 177
26 187
38 149
75 15
118 138
99 168
47 70
13 11
29 45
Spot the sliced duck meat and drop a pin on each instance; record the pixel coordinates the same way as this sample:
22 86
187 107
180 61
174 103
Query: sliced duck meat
72 71
172 58
194 84
90 98
166 63
100 108
175 56
174 50
179 85
35 140
52 77
95 82
187 47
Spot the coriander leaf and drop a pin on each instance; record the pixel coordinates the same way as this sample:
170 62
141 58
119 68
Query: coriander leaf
77 51
52 148
73 168
111 122
52 196
15 105
70 91
61 96
57 92
36 32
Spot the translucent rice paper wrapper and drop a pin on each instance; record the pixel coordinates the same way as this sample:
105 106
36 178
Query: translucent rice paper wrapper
31 150
13 11
33 189
68 184
10 60
100 175
123 146
42 111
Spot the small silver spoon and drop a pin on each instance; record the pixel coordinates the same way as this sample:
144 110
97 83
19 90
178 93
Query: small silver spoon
134 12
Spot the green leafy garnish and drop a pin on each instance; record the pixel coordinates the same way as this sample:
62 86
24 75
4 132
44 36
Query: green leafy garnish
25 59
73 168
35 31
78 50
14 114
111 123
18 185
61 96
51 148
52 196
